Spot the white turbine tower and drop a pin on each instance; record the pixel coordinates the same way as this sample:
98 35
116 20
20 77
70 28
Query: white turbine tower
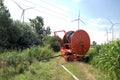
112 28
78 19
107 33
23 12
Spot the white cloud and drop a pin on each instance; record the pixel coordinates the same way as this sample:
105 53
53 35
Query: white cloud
95 26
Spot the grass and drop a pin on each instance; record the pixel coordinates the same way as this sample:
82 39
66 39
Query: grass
13 63
51 70
37 71
44 71
85 71
23 69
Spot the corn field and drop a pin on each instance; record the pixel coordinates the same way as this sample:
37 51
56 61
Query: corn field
108 59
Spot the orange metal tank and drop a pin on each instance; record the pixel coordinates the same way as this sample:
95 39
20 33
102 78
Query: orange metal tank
80 42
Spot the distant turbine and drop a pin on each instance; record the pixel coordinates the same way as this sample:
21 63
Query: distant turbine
23 11
107 32
113 24
78 19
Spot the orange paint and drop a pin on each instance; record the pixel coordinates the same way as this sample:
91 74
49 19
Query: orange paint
74 44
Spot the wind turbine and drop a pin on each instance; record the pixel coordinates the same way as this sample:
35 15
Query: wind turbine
113 24
78 19
23 11
107 32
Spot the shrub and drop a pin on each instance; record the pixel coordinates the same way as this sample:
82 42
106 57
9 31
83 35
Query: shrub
40 52
93 51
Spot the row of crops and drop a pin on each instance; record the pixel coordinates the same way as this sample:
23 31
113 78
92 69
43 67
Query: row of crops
106 57
13 63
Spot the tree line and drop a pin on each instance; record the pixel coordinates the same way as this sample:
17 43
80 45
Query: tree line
20 35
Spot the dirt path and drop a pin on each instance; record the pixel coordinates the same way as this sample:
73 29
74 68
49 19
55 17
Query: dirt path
85 69
81 70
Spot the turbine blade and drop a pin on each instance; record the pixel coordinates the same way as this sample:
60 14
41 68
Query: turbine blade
82 21
110 21
22 15
117 23
79 14
77 20
17 4
29 8
106 30
111 27
105 34
74 20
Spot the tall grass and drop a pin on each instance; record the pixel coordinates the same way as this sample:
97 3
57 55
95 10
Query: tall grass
17 62
37 71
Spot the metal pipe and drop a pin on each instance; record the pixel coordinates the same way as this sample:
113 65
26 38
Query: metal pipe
69 72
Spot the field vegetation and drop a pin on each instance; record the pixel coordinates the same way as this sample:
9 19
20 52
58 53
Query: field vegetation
24 46
13 63
106 57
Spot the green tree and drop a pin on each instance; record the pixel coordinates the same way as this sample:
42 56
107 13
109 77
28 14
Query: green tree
51 41
5 24
94 43
5 20
14 34
27 36
38 25
47 31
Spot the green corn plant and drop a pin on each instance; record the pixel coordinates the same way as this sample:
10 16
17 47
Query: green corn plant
108 59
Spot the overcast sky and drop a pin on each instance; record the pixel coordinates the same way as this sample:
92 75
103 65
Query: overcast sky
59 15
